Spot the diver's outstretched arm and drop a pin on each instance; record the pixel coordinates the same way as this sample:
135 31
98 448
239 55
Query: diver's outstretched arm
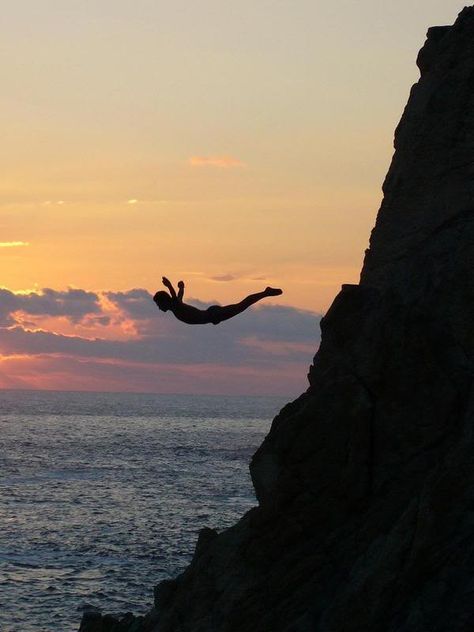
180 290
167 284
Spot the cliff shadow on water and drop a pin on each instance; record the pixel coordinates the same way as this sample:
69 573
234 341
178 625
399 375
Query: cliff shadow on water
365 483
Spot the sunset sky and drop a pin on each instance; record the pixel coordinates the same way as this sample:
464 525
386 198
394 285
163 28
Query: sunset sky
233 145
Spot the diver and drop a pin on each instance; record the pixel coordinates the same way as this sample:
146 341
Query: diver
214 314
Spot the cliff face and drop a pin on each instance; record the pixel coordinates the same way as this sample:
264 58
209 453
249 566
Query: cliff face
366 482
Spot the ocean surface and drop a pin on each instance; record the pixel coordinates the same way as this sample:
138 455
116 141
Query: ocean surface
102 495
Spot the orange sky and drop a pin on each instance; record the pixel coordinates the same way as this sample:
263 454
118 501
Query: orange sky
234 146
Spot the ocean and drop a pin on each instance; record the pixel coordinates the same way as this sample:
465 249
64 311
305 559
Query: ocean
102 495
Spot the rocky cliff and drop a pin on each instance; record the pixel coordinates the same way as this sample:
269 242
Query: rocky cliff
365 483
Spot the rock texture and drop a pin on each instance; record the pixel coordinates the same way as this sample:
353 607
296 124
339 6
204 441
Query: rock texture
366 482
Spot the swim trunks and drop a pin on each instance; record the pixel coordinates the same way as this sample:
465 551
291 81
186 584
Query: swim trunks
214 312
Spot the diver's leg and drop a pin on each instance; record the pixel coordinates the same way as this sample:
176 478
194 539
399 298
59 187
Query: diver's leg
229 311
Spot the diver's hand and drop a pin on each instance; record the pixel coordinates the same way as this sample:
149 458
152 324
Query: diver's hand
181 284
166 282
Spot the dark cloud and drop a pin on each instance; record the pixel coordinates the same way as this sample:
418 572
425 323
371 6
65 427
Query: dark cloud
190 345
136 303
94 321
73 304
267 338
277 323
266 322
164 339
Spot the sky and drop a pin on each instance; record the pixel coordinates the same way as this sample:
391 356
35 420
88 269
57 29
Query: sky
232 145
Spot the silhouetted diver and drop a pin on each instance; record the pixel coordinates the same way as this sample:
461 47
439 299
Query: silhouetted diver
214 314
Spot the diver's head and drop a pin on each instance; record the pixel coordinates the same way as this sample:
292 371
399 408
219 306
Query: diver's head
163 300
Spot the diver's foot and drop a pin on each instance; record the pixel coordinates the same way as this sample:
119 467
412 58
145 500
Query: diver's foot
273 291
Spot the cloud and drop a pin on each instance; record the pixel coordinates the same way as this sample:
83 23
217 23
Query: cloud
136 303
222 162
158 351
93 321
73 304
161 338
266 321
223 277
13 244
